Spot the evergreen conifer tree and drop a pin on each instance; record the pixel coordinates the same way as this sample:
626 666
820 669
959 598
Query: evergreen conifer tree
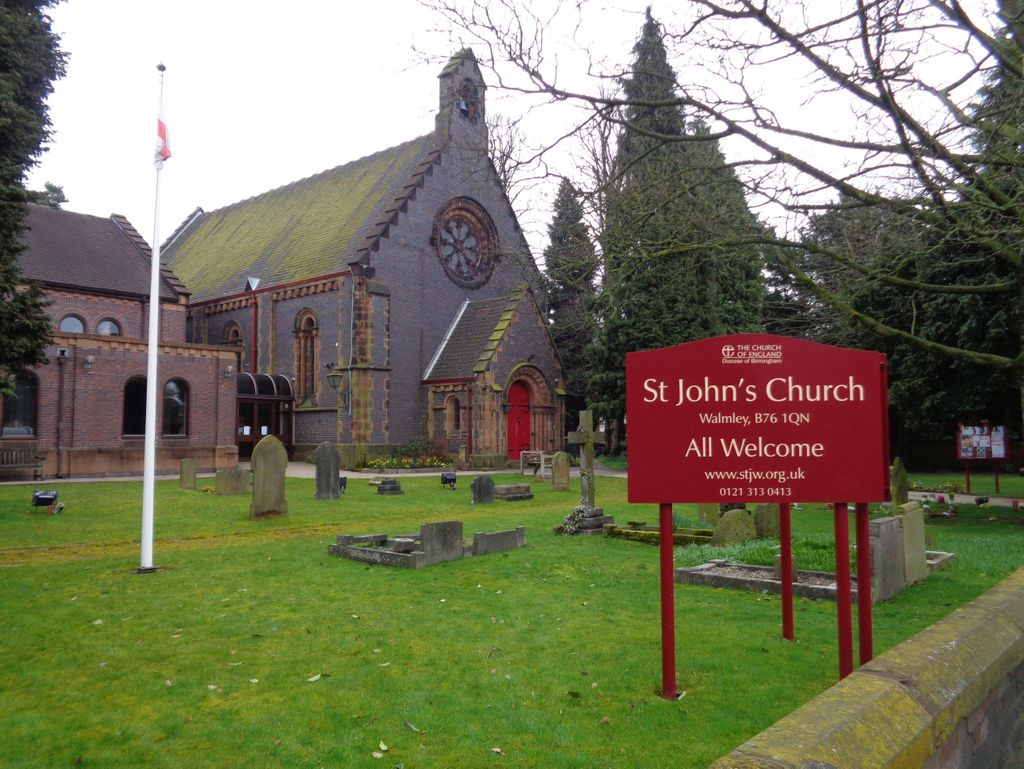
29 63
570 265
669 278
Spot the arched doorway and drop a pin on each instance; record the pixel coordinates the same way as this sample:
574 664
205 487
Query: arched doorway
518 426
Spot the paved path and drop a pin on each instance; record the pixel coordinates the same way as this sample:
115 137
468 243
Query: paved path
963 499
306 470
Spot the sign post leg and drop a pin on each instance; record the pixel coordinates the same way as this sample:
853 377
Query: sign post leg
786 558
865 639
967 477
997 477
844 621
668 604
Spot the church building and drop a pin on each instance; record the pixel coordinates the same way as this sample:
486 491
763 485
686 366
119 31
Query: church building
83 413
389 299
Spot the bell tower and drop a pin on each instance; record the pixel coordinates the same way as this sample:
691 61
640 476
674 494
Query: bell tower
460 116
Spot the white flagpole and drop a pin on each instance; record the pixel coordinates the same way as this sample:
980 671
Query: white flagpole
149 467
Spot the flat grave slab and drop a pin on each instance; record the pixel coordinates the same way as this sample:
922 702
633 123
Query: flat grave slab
435 542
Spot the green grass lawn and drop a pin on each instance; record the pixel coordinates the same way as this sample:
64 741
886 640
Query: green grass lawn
252 647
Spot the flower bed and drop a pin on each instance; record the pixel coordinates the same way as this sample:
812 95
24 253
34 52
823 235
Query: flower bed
408 463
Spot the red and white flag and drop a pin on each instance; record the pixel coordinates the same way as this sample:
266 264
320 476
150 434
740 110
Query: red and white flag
163 146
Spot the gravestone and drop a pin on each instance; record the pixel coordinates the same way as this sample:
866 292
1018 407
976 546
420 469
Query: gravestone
736 526
269 462
389 486
512 492
899 483
187 474
328 468
709 512
766 521
560 471
441 541
497 541
591 519
232 481
435 543
888 573
483 490
915 558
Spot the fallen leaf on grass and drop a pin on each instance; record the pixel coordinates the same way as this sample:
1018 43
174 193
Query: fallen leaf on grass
499 751
377 754
318 676
382 746
411 727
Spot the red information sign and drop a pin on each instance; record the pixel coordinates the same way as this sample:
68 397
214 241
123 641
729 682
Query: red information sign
757 418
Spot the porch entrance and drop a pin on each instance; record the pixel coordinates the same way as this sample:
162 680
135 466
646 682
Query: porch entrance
263 407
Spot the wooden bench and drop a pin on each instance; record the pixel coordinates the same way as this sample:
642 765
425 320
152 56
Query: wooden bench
21 455
536 461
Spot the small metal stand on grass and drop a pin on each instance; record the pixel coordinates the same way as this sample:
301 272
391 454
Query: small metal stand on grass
47 499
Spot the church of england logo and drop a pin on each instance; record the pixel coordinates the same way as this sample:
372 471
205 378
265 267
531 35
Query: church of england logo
751 353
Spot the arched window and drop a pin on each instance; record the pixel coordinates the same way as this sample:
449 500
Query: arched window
453 416
175 407
134 421
108 327
18 411
233 336
72 324
306 331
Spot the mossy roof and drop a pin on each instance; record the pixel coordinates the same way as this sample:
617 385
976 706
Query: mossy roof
312 227
470 345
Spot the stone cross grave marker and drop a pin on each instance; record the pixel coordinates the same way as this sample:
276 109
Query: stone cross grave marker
328 465
269 462
585 438
591 518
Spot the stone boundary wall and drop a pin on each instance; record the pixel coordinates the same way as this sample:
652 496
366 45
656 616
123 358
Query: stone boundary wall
951 697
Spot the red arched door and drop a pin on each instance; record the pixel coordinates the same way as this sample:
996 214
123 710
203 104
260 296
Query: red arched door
518 419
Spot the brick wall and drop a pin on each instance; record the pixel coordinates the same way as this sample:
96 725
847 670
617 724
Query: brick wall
131 315
81 403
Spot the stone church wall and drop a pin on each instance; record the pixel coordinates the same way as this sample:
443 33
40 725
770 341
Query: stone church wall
425 301
285 314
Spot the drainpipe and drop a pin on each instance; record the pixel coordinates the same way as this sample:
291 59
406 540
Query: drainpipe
62 359
254 364
469 420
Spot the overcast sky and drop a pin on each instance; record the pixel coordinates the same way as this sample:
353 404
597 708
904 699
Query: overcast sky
256 94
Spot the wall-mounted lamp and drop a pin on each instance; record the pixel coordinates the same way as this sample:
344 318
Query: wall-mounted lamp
89 360
229 371
339 383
